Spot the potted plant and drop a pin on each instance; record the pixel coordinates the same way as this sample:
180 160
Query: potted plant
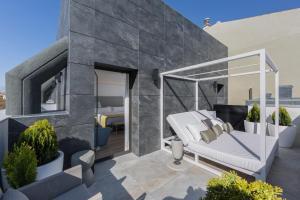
251 123
42 138
287 131
20 167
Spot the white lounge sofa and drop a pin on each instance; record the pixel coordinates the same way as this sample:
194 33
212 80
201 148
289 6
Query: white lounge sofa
237 150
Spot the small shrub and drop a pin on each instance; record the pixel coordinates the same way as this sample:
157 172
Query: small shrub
231 186
254 114
284 117
20 166
42 138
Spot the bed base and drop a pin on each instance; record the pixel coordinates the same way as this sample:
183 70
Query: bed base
195 160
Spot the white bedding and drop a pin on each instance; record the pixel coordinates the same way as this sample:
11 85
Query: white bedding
239 149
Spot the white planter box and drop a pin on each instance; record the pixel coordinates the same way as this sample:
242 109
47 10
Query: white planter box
252 127
51 168
43 171
287 134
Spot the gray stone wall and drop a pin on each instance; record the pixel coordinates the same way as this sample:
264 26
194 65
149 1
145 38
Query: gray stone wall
131 34
136 34
3 139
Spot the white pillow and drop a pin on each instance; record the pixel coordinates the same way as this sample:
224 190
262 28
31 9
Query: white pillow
213 114
195 130
118 109
105 110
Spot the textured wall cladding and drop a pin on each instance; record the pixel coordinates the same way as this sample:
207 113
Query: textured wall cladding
3 139
144 35
64 22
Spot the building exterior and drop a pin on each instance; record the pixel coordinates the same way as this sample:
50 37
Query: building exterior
138 37
278 33
2 100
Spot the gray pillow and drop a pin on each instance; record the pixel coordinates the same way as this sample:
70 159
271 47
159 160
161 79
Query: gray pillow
12 194
208 123
208 136
228 127
218 130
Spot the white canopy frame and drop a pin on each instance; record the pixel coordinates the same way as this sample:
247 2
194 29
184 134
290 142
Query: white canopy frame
264 59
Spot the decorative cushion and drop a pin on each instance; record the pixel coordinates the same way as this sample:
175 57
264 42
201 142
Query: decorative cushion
228 127
208 123
195 130
218 130
217 122
208 136
12 194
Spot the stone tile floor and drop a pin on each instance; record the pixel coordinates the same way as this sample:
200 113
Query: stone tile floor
285 172
148 177
151 178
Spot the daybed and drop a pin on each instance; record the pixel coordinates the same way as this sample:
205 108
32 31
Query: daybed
249 154
237 150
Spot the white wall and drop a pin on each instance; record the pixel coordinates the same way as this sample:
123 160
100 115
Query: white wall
111 83
278 33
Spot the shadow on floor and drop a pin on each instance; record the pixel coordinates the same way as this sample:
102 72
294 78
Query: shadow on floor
109 185
285 172
148 178
191 194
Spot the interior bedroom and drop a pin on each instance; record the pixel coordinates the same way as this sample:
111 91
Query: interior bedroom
112 101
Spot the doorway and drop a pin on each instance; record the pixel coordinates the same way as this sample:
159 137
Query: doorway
111 113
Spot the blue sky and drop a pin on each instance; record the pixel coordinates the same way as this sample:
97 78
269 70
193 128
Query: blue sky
28 26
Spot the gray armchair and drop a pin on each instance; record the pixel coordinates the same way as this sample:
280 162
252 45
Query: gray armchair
62 186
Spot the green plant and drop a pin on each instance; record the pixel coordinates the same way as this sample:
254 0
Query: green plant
231 186
42 138
254 114
20 166
284 117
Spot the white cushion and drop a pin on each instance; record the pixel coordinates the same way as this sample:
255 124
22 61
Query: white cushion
213 113
238 149
12 194
178 123
195 130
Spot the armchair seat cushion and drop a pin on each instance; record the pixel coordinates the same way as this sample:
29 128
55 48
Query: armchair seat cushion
78 193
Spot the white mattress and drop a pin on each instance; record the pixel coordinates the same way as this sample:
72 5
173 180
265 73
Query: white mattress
238 149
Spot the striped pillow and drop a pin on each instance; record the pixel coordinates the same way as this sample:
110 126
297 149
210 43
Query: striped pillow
218 130
208 136
228 127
